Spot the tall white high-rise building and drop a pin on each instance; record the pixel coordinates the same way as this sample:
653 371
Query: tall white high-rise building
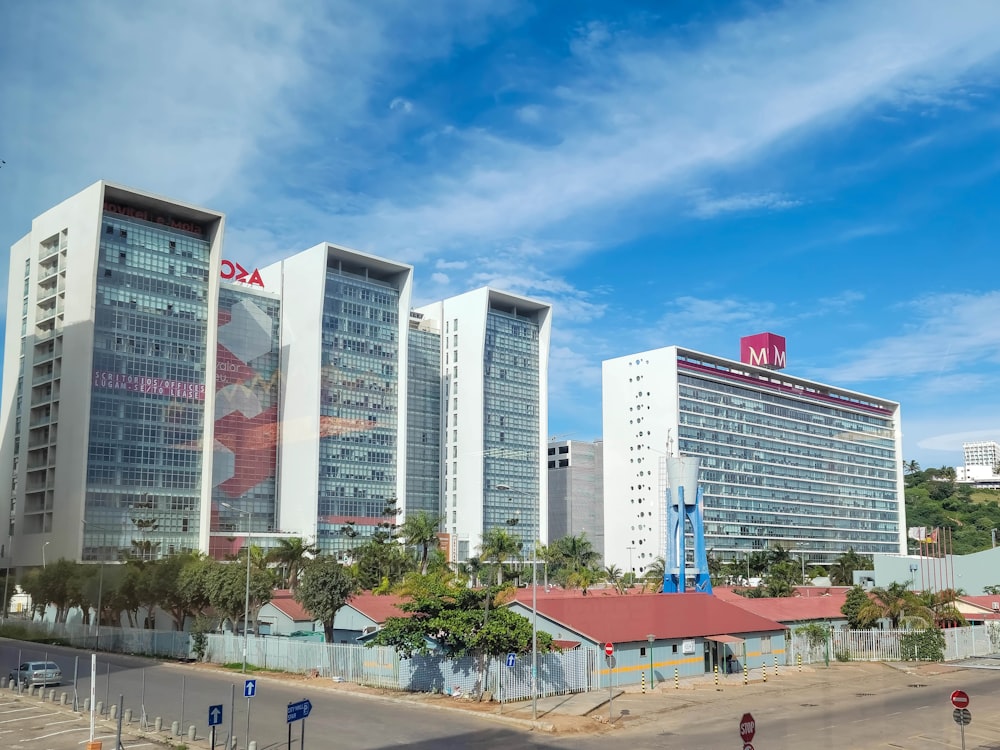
343 404
110 341
494 407
784 460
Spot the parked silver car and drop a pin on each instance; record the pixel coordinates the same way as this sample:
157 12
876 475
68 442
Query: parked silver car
37 673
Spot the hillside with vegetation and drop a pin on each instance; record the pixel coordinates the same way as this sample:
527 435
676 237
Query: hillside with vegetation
935 499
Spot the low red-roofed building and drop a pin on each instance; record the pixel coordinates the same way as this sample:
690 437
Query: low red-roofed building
690 633
808 604
364 613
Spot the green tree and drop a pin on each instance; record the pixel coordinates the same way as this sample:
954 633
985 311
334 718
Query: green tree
226 589
572 554
165 578
782 578
291 554
448 615
192 584
499 546
852 606
326 586
613 575
420 530
655 571
893 603
842 570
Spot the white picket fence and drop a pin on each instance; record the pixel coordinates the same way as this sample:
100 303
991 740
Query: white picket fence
885 645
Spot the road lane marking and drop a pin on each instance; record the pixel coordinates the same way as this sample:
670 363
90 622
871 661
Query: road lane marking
63 731
18 710
97 737
64 721
23 718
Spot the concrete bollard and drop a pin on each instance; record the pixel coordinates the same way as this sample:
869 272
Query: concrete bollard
175 729
98 707
252 745
86 705
52 695
232 743
11 684
798 658
63 698
127 716
157 724
775 666
746 674
113 711
192 733
763 671
717 675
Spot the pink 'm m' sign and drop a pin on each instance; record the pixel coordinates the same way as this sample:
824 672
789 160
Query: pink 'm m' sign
763 350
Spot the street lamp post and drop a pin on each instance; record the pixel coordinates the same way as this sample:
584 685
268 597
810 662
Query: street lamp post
534 612
993 536
6 577
246 598
651 638
46 544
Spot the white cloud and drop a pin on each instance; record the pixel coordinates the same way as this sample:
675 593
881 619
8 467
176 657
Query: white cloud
440 278
399 104
707 207
949 331
456 264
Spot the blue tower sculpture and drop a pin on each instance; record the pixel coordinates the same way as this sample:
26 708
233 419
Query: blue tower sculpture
684 501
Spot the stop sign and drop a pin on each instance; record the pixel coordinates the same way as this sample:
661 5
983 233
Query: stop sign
609 649
748 727
960 699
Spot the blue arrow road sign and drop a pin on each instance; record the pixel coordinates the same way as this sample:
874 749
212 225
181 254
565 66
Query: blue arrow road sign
214 716
250 688
511 659
299 710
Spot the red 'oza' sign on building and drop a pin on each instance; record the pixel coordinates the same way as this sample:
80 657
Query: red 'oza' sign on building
231 271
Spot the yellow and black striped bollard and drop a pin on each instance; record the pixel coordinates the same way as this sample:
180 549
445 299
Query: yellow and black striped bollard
677 679
798 658
644 682
775 666
717 675
746 674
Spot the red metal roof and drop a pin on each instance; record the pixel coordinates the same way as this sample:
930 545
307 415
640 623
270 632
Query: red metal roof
632 617
282 601
378 608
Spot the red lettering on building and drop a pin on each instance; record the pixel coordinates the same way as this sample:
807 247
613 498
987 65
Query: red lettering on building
117 381
230 270
143 215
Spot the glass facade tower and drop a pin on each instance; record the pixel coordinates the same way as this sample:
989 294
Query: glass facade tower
423 426
144 460
358 407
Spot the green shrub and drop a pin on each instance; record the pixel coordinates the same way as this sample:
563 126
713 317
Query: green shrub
923 645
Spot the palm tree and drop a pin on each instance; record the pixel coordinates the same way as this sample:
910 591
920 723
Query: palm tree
654 574
911 467
577 552
613 575
421 530
292 554
842 570
583 579
894 603
499 546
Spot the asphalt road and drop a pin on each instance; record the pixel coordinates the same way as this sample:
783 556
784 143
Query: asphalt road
882 709
888 710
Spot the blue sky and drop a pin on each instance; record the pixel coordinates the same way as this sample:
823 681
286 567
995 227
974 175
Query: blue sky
663 173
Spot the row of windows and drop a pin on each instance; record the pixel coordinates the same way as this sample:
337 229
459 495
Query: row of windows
748 398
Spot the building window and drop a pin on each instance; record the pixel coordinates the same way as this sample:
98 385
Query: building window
765 644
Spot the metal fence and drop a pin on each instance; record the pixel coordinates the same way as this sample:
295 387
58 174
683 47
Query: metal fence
167 644
381 666
885 645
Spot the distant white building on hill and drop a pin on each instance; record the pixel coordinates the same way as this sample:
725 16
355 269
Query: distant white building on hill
982 459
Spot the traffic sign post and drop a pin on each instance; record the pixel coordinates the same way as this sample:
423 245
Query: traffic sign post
511 659
748 728
609 649
962 716
214 720
249 691
960 699
298 712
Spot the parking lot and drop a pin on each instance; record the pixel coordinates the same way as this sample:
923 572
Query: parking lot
29 723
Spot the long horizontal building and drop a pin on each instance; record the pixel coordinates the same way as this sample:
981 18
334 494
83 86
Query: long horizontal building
784 460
